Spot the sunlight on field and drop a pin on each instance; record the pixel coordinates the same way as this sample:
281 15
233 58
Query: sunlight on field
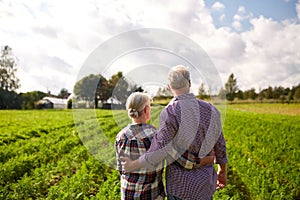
282 109
44 155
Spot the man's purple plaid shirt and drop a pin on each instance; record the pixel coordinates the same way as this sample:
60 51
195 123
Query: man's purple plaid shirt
196 183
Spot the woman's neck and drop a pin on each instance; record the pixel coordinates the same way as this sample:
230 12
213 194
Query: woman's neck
139 120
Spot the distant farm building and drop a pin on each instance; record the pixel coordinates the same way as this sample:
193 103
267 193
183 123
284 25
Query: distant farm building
53 102
112 103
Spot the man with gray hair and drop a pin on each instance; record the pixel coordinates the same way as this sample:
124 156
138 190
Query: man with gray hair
190 129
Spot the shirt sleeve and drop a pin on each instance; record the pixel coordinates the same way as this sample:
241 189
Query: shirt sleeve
118 144
220 150
220 146
162 141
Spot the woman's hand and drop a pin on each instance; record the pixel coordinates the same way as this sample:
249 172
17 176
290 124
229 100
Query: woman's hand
129 165
221 182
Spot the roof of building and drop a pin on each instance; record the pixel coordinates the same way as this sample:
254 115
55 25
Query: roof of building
56 100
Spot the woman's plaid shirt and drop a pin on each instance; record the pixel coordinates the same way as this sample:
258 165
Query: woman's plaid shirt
133 141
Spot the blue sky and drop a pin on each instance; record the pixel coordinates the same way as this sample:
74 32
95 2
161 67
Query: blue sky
276 9
257 40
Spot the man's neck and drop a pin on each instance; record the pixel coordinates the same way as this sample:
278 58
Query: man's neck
180 92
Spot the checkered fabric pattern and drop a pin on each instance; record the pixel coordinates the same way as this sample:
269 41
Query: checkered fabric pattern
186 125
143 184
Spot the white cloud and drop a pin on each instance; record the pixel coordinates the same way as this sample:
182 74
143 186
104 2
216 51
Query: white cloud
241 10
237 25
53 38
239 17
222 18
218 6
271 49
298 9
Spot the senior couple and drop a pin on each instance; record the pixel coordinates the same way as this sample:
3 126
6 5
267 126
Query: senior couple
189 139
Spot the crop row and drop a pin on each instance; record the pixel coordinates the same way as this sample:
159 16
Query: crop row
20 125
16 167
55 165
39 181
75 159
263 152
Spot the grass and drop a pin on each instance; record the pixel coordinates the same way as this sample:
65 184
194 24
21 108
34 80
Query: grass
44 154
280 109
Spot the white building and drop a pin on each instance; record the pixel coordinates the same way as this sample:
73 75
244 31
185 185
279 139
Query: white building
53 102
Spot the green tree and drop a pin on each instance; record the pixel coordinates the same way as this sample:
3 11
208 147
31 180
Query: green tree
163 92
30 98
88 88
240 95
117 86
64 93
269 92
260 95
103 91
9 99
121 87
222 94
278 92
290 96
297 94
98 88
8 69
250 94
231 87
202 94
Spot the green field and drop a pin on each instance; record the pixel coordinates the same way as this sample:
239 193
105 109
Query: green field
46 154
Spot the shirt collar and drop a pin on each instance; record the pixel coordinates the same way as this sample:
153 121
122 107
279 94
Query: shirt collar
185 96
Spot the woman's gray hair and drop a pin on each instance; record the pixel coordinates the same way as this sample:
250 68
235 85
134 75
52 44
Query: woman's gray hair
179 77
136 103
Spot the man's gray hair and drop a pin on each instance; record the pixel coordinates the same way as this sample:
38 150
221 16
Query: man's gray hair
179 77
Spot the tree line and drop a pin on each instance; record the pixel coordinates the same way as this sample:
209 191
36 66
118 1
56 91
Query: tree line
93 87
97 89
231 92
9 83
